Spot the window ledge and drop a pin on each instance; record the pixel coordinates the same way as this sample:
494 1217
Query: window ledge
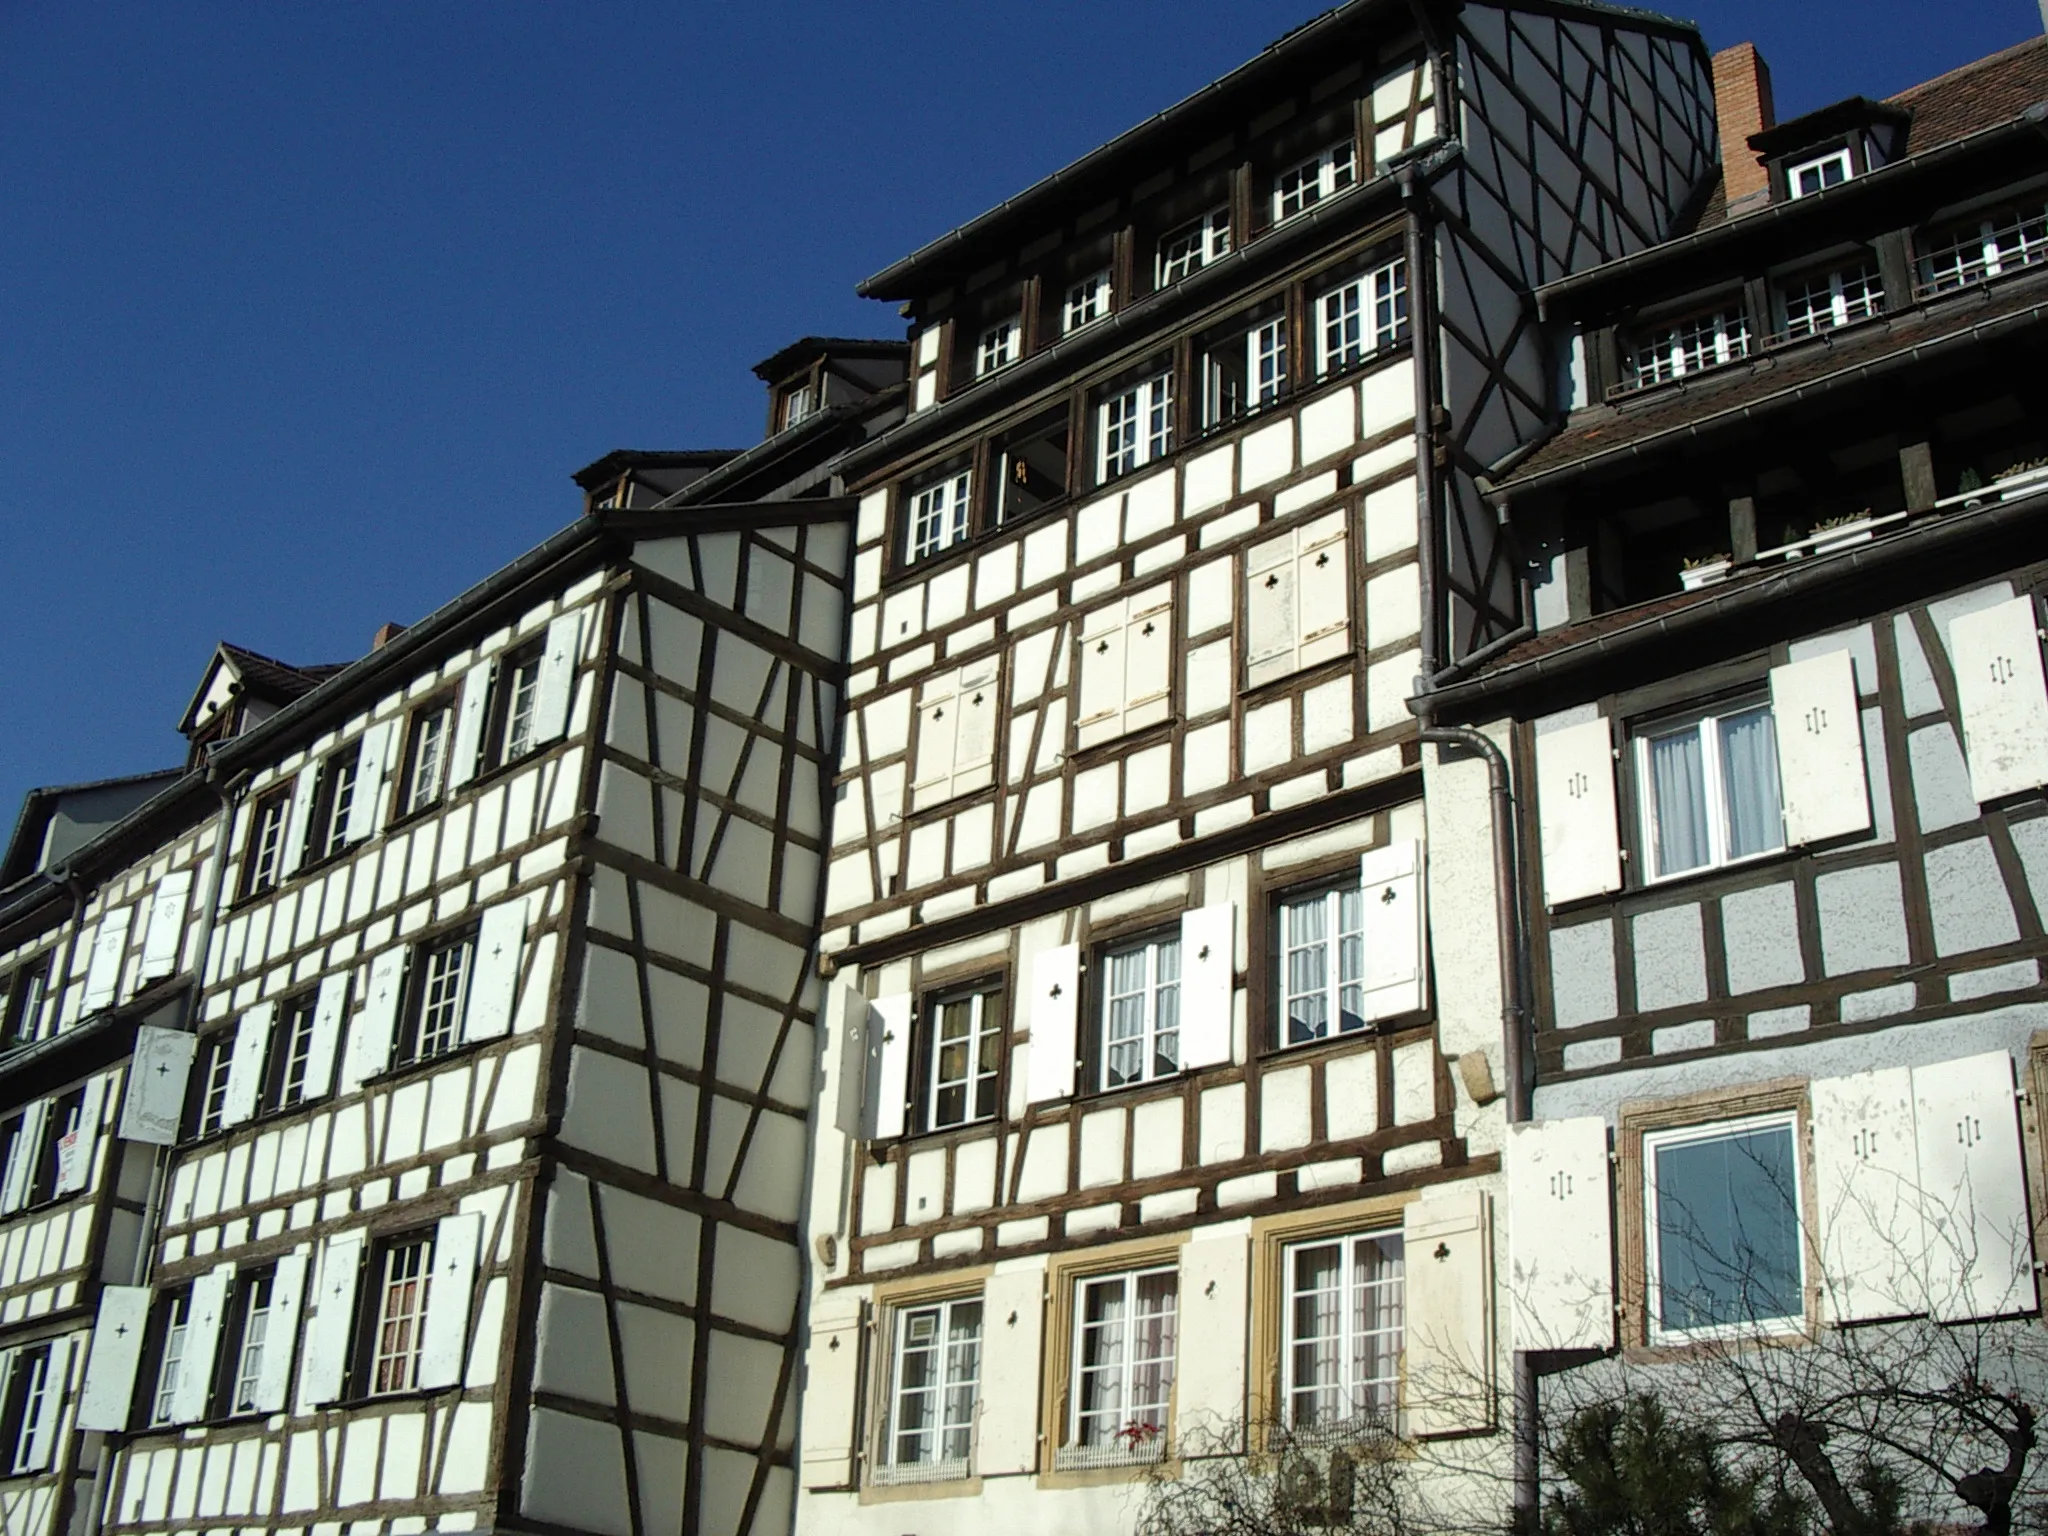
1103 1458
938 810
1320 672
921 1473
420 1065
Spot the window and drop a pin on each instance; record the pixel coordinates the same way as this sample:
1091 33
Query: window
331 801
1341 1332
1031 468
1358 318
1821 301
1984 247
1124 1337
1721 1228
210 1079
403 1280
1322 964
1000 346
1689 346
28 1392
964 1059
1134 425
265 858
25 998
1193 246
1323 175
935 1373
426 756
515 691
939 509
440 994
1243 372
1141 1011
1709 790
251 1330
1807 177
291 1048
1087 302
171 1360
798 402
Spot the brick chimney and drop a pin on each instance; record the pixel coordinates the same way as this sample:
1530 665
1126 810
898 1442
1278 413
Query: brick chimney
1742 106
386 633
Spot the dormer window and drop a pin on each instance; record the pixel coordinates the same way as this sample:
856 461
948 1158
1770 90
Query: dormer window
1000 346
798 402
1987 246
1087 302
1322 175
1820 301
1193 246
1803 178
1698 342
939 510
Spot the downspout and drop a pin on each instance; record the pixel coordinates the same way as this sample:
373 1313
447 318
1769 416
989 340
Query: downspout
1421 328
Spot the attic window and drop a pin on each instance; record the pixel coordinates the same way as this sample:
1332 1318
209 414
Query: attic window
797 403
1803 178
1324 175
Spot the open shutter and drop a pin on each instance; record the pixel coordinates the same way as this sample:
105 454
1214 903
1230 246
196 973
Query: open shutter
1148 659
109 946
2002 697
370 1039
1576 822
1867 1193
1980 1251
366 803
154 1106
39 1444
1271 635
974 742
245 1067
24 1157
445 1333
1560 1235
1208 972
469 725
1099 710
1322 591
846 1028
1013 1336
1447 1252
1396 931
888 1087
117 1333
202 1341
324 1366
328 1011
1051 1018
938 728
494 986
75 1148
556 684
1820 748
297 824
281 1333
834 1365
166 925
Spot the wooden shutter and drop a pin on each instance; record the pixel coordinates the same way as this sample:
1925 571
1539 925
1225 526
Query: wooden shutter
1396 931
1867 1196
1819 730
328 1011
1215 1307
297 822
76 1147
889 1065
555 687
1006 1440
117 1333
846 1030
1208 974
160 948
938 728
974 743
1271 634
154 1106
1099 706
1560 1235
109 947
324 1367
834 1369
1447 1250
281 1332
445 1333
2002 697
469 725
1576 823
39 1446
1051 1016
245 1067
25 1157
1980 1252
1322 591
202 1341
494 985
1148 659
366 804
376 1024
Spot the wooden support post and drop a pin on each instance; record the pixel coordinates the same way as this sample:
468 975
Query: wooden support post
1742 529
1916 470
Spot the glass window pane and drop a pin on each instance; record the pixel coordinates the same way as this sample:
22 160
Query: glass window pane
1678 801
1749 777
1727 1229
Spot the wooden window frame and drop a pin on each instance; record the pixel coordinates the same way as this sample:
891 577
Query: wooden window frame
292 1023
17 1414
377 1285
1147 392
1640 809
513 665
234 1337
441 705
1336 167
1211 237
208 1082
171 1313
872 1405
28 990
41 1190
405 1050
275 802
992 989
340 774
957 479
1335 880
1844 153
1096 998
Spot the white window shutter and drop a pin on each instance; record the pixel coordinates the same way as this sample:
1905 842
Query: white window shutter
1208 974
366 802
202 1341
1007 1437
1052 1016
160 948
25 1157
1099 708
1396 929
298 822
1448 1289
846 1031
323 1369
1866 1186
445 1333
1980 1250
39 1450
556 685
1820 748
1148 659
2002 697
109 947
831 1395
329 1009
469 725
1322 591
281 1333
888 1084
245 1067
76 1147
494 984
104 1402
1576 822
1271 636
938 727
974 740
1560 1235
376 1024
154 1106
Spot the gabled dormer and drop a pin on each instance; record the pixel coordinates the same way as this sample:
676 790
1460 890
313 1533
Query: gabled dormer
241 688
820 372
1827 147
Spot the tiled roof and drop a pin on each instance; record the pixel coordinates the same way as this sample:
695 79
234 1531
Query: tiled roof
1993 90
280 679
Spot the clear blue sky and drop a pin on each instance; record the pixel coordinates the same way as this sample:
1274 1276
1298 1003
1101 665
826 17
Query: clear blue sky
307 312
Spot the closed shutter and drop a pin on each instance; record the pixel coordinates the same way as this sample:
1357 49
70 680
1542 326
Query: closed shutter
1208 974
1148 659
154 1106
1866 1193
469 725
1446 1244
974 743
2002 697
160 948
39 1445
1209 1384
109 947
245 1067
202 1342
76 1147
1322 591
556 685
373 762
445 1333
1980 1252
117 1333
1013 1337
329 1010
938 728
297 823
281 1332
1099 710
1820 748
376 1024
1395 931
494 986
1575 804
833 1376
324 1367
25 1157
846 1023
1051 1016
1271 636
888 1065
1560 1235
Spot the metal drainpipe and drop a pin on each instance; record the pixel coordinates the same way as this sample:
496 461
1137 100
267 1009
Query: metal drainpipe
1514 1046
1421 320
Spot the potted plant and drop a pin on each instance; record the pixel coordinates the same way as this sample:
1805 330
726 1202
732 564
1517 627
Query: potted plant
1832 533
1698 571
